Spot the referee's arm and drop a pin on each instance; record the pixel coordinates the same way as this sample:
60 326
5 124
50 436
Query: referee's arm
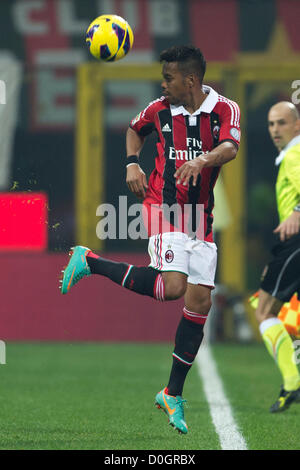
291 225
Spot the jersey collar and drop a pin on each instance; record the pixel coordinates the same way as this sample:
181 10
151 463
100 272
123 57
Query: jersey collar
294 141
206 107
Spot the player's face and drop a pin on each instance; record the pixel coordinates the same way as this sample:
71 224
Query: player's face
283 126
174 84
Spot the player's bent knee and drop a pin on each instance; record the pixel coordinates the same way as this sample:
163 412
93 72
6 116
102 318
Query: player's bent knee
175 285
174 290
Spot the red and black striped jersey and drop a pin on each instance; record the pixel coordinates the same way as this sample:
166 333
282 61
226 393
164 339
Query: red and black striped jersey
183 136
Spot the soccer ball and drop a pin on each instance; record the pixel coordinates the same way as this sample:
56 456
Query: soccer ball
109 38
290 316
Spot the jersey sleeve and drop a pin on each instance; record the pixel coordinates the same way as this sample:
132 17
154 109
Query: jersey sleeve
230 123
143 123
292 165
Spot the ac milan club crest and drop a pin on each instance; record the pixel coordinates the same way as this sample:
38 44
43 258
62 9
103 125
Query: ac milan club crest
169 256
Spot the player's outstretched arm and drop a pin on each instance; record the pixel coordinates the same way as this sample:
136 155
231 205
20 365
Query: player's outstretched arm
135 177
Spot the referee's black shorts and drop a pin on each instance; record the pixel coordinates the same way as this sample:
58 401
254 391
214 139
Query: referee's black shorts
281 277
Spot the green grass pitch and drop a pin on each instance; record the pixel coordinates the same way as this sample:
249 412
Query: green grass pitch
101 396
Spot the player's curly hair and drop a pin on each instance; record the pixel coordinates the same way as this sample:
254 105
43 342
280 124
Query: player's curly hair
189 58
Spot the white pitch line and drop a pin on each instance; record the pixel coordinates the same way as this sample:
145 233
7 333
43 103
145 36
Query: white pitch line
220 409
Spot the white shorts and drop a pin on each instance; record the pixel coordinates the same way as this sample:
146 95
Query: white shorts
177 252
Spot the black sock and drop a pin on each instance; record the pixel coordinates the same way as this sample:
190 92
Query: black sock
188 338
143 280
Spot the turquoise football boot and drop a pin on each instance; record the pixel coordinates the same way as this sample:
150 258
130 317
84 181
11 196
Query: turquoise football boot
173 407
76 269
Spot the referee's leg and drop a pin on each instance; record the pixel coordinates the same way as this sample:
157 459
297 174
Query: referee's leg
268 306
279 344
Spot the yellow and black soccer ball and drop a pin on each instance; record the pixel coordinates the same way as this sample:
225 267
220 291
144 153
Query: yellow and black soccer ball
109 38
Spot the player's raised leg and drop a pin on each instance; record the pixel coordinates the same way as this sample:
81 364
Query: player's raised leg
76 269
142 280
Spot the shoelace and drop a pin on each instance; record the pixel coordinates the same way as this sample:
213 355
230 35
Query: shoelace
180 401
80 275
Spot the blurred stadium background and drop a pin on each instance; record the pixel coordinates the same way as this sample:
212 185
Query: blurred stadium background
63 118
62 131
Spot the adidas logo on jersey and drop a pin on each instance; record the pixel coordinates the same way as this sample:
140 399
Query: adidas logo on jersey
166 128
